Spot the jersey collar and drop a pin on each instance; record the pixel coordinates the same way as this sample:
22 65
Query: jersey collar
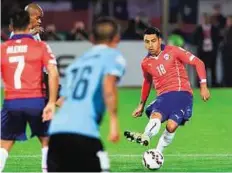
100 46
19 36
156 57
163 46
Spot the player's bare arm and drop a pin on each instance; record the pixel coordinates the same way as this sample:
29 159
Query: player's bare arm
146 88
110 97
204 91
191 59
53 80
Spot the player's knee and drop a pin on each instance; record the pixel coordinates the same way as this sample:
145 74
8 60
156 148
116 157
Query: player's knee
44 141
156 115
171 126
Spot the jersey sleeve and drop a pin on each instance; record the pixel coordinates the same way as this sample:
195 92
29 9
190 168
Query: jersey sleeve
146 86
115 66
48 56
146 75
188 58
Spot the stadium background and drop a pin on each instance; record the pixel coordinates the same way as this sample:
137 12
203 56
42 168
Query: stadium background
205 143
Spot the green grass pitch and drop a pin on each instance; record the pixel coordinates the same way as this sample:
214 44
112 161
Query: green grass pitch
203 145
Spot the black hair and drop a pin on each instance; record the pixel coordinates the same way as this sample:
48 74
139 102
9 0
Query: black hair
153 30
20 20
105 29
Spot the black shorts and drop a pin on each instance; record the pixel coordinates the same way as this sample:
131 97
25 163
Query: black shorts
76 153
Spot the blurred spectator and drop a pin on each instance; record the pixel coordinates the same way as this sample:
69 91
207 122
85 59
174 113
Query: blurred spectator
8 7
227 53
218 19
131 31
207 39
140 26
50 33
135 28
78 32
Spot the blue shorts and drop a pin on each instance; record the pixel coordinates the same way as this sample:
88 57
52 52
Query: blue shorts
17 112
175 105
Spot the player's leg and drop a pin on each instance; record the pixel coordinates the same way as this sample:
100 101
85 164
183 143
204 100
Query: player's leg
151 129
156 113
181 112
168 135
39 129
13 127
6 146
44 151
154 124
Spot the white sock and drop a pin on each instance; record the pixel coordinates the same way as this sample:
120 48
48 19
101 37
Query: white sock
44 151
165 140
3 158
153 127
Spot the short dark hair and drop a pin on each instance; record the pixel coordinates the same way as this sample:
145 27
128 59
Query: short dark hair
20 20
152 30
105 29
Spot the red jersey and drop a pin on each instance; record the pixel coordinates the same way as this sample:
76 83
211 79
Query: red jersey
167 71
22 61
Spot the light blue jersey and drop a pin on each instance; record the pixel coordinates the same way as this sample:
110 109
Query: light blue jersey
84 106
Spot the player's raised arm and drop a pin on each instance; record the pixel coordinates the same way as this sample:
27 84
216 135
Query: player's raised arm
145 91
49 62
191 59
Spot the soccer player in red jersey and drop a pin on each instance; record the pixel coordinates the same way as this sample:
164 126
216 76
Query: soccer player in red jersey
36 14
22 60
164 67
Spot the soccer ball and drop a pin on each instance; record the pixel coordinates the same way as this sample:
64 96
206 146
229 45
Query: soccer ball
153 159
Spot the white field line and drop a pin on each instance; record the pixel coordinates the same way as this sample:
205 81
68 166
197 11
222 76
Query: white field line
175 155
140 155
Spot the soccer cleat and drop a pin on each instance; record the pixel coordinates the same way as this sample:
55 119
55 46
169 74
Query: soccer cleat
143 140
130 136
137 137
